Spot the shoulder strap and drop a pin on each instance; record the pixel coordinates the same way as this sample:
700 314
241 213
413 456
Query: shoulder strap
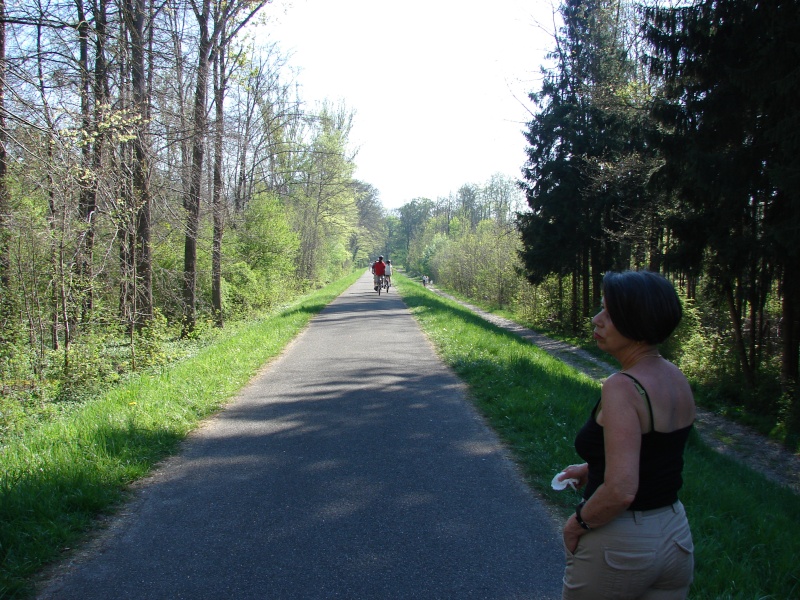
644 395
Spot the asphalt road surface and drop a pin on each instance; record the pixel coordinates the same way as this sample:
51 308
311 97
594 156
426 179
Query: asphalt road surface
352 467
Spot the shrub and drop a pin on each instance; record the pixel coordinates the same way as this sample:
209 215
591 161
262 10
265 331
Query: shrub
92 360
151 343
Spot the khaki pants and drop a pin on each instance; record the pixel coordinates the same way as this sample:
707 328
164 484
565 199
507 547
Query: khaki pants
640 554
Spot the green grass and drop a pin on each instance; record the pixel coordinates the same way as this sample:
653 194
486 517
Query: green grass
62 475
744 527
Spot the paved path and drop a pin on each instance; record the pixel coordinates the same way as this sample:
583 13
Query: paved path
353 467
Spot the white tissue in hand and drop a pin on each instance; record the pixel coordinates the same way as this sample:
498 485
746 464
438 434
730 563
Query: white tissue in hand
561 485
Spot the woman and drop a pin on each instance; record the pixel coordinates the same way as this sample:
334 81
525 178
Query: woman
629 538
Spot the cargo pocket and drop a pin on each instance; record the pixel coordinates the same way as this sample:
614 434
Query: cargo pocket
679 571
685 543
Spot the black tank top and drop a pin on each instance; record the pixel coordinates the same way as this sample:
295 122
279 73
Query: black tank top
660 460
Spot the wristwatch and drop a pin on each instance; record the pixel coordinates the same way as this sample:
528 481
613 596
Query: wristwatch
578 517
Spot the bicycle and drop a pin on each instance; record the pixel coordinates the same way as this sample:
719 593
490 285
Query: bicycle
381 283
386 283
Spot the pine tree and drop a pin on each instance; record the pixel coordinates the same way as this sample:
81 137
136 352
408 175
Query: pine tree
583 130
730 145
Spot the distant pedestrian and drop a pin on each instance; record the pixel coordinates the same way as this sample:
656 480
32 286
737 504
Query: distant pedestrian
425 280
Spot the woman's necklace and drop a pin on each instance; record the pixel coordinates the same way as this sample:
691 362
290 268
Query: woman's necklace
638 359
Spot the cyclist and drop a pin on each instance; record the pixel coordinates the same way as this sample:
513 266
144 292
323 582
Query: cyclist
378 271
388 273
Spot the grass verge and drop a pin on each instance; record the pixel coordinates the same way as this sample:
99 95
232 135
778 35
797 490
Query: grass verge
61 476
743 525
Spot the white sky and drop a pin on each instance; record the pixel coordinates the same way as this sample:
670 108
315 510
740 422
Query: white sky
439 87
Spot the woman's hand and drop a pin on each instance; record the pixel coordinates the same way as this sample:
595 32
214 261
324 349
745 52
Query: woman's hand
572 533
579 472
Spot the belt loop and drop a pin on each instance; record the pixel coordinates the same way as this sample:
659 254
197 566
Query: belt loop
637 517
675 507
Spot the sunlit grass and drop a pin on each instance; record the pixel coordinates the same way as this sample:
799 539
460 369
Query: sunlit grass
744 526
57 479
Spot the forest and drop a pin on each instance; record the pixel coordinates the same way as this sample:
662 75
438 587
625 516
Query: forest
160 175
666 137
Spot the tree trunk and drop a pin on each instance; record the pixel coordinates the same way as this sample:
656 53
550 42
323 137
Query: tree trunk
738 336
790 326
87 196
101 100
5 260
217 208
51 218
135 13
573 312
587 287
192 199
790 337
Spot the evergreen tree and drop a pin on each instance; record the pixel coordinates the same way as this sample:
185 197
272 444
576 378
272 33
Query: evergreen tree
584 128
730 143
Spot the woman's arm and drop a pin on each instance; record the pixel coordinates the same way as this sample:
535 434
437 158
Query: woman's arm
622 433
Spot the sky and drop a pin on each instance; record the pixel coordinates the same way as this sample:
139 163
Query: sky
439 88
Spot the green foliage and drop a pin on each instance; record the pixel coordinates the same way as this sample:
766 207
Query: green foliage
370 238
261 270
729 137
688 341
16 361
413 218
432 258
396 248
12 414
151 342
264 239
323 206
244 291
480 263
338 261
544 305
93 360
168 273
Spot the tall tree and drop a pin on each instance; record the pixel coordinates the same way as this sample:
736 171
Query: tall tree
229 17
135 13
578 131
369 238
217 207
222 74
413 216
324 201
102 96
730 140
5 207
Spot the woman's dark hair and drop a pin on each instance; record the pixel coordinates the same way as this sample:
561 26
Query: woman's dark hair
643 305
